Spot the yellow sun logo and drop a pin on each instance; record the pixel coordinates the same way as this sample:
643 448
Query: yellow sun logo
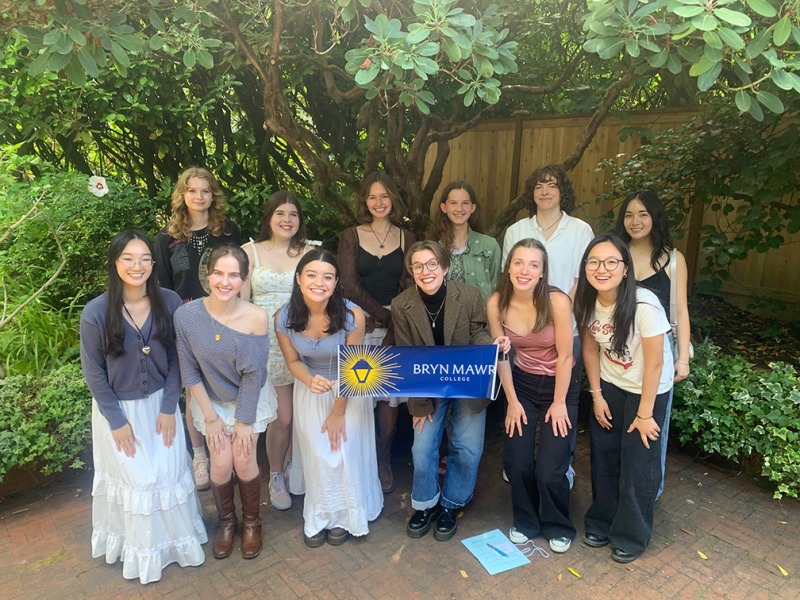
367 371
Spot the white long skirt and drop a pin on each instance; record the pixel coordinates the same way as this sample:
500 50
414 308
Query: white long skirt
145 509
342 488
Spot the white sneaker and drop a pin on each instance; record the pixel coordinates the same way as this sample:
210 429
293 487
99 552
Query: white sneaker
278 496
200 468
516 536
560 544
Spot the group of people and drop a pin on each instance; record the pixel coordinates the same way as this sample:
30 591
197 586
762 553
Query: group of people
251 333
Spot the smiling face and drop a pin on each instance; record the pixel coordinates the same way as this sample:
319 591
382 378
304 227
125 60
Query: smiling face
225 278
135 264
458 206
637 220
379 202
428 280
546 194
285 221
605 279
526 268
317 281
198 196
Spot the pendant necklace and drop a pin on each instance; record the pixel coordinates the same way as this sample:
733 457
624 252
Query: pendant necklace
549 227
218 334
434 316
381 243
199 240
146 346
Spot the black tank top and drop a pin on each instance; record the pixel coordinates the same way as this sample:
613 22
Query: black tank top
659 283
380 276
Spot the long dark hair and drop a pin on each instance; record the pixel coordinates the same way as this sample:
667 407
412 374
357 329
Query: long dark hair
625 308
279 198
115 322
336 310
541 292
398 211
442 228
659 235
557 172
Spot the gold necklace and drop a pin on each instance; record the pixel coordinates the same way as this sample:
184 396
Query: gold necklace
218 334
381 243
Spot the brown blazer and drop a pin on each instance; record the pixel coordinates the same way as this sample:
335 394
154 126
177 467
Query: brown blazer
464 324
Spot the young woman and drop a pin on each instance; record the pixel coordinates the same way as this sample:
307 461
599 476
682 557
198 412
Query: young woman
625 350
131 367
197 223
441 314
564 237
336 436
273 258
642 224
371 258
537 318
223 347
474 257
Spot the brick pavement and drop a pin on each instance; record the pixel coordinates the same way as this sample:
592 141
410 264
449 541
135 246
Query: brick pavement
44 547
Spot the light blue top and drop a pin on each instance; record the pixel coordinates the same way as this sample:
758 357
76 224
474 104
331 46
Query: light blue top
318 355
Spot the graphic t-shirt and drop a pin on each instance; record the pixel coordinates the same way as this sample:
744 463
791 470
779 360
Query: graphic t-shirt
626 370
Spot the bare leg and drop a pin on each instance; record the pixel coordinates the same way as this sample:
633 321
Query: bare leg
200 464
279 432
387 423
278 443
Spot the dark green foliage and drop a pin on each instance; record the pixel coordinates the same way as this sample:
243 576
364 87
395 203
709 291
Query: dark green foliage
731 409
45 422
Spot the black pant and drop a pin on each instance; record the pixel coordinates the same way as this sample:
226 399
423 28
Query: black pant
625 474
539 487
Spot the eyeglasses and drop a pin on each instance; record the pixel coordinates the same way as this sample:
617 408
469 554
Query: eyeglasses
610 264
145 262
431 265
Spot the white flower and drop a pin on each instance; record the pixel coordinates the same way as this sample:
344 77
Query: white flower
97 185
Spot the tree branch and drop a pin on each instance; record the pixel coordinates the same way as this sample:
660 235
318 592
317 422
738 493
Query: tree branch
549 89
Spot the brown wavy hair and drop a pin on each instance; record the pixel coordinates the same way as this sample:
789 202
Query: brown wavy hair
442 255
398 211
279 198
180 223
442 228
557 172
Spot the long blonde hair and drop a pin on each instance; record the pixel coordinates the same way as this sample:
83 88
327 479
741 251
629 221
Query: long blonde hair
180 223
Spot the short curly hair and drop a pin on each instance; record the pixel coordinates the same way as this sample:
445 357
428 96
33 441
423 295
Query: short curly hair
557 172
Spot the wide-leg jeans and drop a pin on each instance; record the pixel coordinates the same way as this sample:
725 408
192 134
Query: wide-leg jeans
625 474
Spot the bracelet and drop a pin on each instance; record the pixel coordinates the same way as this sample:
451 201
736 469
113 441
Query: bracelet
209 421
596 399
595 391
242 423
643 418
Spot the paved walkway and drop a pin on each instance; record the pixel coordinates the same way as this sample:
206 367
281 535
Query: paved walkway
743 532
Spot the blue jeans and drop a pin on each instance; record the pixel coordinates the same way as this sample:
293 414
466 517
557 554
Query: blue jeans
466 431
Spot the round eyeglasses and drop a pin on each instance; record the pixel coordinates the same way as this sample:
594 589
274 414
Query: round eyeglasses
431 265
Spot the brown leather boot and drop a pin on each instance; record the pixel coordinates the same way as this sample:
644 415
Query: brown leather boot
226 514
250 494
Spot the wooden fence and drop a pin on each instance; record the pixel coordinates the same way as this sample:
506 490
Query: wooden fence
497 157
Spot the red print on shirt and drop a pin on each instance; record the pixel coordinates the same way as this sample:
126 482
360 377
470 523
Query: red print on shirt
605 329
625 361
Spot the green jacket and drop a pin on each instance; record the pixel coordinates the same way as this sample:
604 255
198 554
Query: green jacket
481 263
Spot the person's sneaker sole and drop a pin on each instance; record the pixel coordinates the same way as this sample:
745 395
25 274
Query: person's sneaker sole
337 539
560 547
315 541
516 537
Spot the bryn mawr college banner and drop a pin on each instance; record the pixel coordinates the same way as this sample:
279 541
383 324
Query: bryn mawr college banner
417 371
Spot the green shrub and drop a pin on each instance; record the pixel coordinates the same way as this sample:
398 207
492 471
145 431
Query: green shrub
45 421
729 408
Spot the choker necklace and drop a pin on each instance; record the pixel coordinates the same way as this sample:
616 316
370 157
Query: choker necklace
435 316
381 243
145 346
549 227
218 334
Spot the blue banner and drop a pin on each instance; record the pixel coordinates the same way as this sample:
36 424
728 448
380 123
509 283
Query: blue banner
417 371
